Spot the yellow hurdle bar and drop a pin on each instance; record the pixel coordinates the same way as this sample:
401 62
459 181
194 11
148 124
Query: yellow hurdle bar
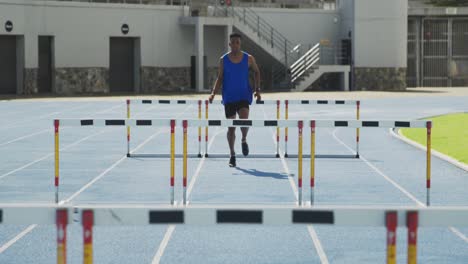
299 156
61 223
358 107
172 158
56 151
428 162
87 221
128 129
312 161
278 103
391 221
184 183
199 128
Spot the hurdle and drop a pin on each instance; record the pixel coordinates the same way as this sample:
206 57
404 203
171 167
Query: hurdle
172 123
161 102
287 104
58 123
368 124
186 123
390 218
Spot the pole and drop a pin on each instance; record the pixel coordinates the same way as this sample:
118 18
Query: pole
87 221
428 162
128 129
199 128
184 183
286 110
57 157
412 225
299 179
172 159
61 223
391 223
312 161
278 102
358 106
206 128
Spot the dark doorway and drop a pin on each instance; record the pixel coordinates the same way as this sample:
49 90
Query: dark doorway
45 70
8 64
122 65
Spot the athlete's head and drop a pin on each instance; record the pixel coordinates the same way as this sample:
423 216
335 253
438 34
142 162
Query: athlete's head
235 42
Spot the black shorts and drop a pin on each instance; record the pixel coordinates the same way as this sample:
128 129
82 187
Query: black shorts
231 109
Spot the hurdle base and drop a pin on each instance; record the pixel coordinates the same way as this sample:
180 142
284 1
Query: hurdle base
323 156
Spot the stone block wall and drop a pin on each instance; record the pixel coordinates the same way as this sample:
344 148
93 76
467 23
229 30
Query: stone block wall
81 80
157 79
380 79
30 81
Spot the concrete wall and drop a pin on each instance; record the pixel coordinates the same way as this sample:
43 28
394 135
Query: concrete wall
82 31
304 26
380 33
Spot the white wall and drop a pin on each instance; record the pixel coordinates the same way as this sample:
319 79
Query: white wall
82 31
305 26
380 33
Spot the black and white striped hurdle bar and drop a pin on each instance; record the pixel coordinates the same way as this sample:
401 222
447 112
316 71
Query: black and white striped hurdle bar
243 123
194 102
322 102
109 215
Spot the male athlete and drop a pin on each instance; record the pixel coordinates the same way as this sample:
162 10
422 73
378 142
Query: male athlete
233 74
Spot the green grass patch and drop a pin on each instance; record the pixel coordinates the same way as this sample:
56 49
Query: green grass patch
449 135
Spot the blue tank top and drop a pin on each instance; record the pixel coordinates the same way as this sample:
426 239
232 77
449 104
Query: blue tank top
236 85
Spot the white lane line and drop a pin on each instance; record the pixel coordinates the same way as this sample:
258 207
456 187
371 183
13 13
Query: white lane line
24 137
163 245
124 157
434 152
200 165
95 179
459 234
30 228
16 238
167 236
45 130
16 124
403 190
407 193
61 149
315 239
318 245
51 154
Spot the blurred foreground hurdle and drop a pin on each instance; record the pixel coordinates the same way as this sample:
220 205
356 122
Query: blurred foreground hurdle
126 215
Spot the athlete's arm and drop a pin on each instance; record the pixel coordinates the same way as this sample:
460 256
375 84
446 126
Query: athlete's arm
218 82
254 66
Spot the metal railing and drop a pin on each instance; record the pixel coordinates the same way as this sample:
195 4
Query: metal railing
261 27
304 63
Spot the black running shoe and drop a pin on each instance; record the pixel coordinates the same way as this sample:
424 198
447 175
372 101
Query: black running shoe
245 148
232 161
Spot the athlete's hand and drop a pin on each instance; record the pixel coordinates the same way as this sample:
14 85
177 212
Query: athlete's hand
211 98
258 96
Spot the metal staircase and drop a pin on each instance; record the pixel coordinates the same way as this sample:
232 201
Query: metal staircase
292 70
